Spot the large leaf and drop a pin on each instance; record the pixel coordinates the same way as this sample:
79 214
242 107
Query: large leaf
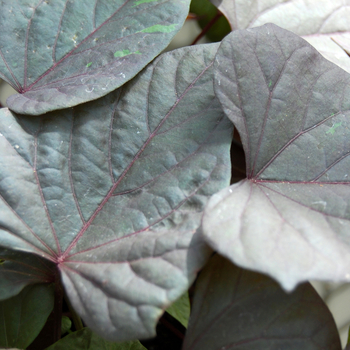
61 53
87 340
240 309
18 270
291 217
22 317
302 17
113 191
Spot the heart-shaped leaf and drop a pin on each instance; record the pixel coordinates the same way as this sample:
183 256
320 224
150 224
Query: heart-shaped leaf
291 217
22 317
239 309
112 191
87 340
18 269
298 16
61 53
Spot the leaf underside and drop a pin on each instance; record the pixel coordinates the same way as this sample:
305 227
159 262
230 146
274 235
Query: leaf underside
239 309
298 16
291 217
327 29
113 191
59 53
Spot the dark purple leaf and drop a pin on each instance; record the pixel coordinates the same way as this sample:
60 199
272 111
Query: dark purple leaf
112 191
61 53
18 270
290 217
239 309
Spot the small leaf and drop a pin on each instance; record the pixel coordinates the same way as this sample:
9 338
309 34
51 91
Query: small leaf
239 309
87 340
22 317
181 309
59 53
65 325
113 191
290 218
206 13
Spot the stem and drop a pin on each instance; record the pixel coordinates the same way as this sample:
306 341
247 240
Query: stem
57 312
78 324
207 27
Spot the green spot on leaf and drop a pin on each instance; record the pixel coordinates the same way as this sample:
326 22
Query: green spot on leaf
181 309
126 53
142 2
159 28
270 83
89 64
332 129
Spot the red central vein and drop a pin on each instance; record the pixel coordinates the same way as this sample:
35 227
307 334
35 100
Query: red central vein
268 109
136 157
42 195
291 141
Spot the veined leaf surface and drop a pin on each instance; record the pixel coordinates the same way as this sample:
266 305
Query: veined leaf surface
291 217
239 309
298 16
61 53
112 191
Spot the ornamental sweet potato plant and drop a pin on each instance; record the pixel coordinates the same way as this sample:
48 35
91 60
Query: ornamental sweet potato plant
131 179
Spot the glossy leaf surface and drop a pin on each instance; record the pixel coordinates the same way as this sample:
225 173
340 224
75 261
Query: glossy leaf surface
18 269
60 53
87 340
239 309
302 17
22 317
290 217
113 191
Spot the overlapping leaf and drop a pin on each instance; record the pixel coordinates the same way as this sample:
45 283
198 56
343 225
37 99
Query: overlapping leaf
61 53
18 270
112 191
240 309
302 17
291 217
332 47
321 22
